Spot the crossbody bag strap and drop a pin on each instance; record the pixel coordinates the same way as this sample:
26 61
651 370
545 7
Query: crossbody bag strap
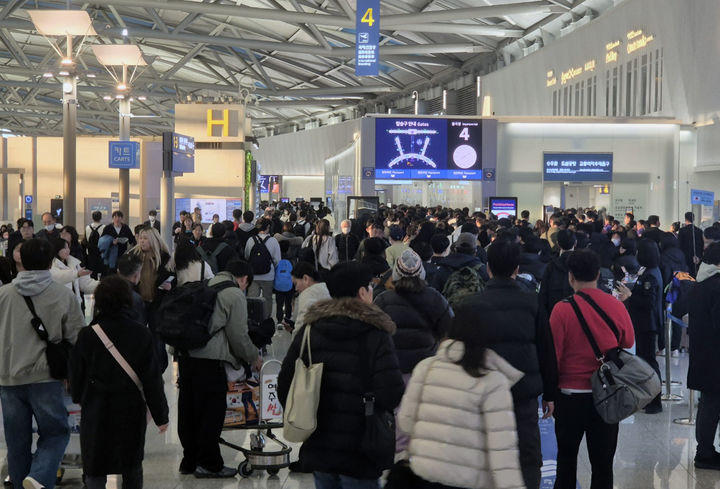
602 313
118 358
586 329
36 322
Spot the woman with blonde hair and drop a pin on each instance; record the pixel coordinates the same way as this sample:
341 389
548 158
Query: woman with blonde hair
155 277
323 246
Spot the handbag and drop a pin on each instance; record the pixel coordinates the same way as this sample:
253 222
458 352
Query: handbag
56 354
108 344
379 436
300 415
624 383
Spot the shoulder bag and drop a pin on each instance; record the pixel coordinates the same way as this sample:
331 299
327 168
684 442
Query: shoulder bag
57 354
300 415
110 346
379 436
624 383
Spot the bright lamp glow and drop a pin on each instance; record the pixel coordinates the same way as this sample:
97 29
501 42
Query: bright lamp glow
47 75
121 86
142 97
67 87
64 73
119 96
107 97
66 61
90 75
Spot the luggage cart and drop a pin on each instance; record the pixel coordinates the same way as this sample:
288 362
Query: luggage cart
257 457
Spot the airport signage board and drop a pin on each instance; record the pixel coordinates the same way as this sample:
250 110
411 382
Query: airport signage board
367 38
577 167
702 197
124 155
504 207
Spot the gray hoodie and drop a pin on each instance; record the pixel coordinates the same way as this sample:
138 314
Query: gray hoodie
706 271
22 360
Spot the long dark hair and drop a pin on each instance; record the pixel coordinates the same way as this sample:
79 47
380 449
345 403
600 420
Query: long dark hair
185 254
473 360
322 233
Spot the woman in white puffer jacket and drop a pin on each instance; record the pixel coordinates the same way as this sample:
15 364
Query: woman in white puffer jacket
68 271
458 411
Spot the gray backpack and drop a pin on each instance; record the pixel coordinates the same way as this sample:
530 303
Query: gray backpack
624 383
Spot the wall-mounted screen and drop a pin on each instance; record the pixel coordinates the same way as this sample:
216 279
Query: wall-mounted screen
422 149
179 152
504 207
577 167
208 207
269 184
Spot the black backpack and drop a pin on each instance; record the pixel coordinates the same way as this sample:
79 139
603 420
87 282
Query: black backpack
185 312
211 259
242 239
260 259
94 257
299 230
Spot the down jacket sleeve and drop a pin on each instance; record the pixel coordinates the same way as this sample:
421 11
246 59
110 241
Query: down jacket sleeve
407 415
388 385
503 457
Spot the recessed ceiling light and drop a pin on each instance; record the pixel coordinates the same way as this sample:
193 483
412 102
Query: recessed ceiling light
66 61
107 97
142 97
119 96
91 75
64 73
47 75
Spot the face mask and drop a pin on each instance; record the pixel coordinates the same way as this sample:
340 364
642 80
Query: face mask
345 230
616 242
50 227
151 218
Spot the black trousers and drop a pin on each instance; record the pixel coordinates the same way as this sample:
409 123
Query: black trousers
708 417
201 412
284 304
645 349
526 419
575 417
131 479
676 336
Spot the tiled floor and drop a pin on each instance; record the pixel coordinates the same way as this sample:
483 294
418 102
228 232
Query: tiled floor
652 453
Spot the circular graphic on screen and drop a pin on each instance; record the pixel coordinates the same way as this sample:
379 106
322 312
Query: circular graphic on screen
465 156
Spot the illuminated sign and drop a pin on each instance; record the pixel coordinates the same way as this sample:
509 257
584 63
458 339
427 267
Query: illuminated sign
611 57
577 167
634 34
551 78
570 74
223 122
612 45
639 43
590 65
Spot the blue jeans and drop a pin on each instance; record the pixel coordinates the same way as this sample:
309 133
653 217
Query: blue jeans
44 402
324 480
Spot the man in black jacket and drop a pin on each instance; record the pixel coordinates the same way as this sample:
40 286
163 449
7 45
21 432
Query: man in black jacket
704 369
215 251
555 285
463 255
124 238
653 230
152 220
351 338
506 315
691 242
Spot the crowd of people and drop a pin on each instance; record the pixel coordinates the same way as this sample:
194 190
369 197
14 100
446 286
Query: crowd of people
457 323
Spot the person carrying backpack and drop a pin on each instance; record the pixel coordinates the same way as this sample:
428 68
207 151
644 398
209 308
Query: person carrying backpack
245 231
93 231
215 251
284 291
203 382
461 272
263 254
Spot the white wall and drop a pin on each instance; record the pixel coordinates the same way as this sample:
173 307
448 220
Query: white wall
305 187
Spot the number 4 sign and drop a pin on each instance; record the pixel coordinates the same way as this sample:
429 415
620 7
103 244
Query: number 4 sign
367 39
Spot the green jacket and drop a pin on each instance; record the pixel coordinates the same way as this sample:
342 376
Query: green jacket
229 326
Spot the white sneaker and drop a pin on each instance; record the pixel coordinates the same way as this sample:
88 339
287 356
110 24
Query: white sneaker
660 353
30 483
675 354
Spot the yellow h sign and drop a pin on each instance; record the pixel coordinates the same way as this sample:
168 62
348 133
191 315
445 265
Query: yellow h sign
224 122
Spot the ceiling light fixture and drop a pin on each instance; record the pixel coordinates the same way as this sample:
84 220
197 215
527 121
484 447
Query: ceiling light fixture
91 75
66 61
142 97
121 86
47 75
107 97
124 32
120 96
64 73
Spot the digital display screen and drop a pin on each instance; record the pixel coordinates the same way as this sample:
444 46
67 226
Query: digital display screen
577 167
269 184
181 150
421 149
345 185
208 207
504 207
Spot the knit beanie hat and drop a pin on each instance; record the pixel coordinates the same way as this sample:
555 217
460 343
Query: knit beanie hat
408 265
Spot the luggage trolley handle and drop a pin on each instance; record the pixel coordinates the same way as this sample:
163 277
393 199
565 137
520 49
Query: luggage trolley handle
261 408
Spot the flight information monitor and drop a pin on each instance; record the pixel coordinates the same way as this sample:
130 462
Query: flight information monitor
504 207
422 149
577 167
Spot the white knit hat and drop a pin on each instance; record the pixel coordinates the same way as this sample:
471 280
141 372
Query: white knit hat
408 265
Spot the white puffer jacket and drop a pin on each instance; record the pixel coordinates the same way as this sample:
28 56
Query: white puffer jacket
462 428
67 275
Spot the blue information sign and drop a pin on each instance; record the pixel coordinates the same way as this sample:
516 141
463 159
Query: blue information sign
28 199
28 214
367 38
702 197
577 167
124 155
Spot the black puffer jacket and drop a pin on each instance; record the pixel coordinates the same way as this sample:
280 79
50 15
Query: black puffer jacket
672 260
422 320
532 264
453 262
505 315
343 332
226 255
554 286
704 329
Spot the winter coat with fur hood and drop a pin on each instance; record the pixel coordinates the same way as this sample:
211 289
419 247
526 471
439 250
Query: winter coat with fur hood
348 337
462 428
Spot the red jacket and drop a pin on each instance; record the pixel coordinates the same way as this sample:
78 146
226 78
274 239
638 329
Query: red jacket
575 358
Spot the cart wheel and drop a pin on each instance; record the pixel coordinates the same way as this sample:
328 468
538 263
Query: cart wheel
59 476
273 472
245 469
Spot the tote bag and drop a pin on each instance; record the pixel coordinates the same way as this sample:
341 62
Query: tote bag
300 416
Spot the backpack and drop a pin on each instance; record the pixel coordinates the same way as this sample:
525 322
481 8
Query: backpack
94 257
678 293
242 239
463 282
212 258
299 230
283 278
185 312
260 259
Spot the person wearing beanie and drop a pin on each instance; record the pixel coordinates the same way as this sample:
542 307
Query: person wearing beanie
421 313
397 245
373 255
463 255
440 245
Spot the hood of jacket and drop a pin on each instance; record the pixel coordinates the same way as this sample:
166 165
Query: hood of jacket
246 226
706 271
453 351
32 283
352 308
457 261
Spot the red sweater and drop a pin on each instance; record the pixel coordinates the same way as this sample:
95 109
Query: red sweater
575 358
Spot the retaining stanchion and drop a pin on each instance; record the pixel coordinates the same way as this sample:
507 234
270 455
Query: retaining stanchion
669 396
690 420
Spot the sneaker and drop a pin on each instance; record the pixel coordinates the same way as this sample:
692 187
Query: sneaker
675 354
224 473
30 483
660 353
709 463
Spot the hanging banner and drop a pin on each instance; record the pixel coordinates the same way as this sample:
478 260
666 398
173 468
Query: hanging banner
367 38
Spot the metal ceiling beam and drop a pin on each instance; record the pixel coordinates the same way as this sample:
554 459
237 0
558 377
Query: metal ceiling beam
469 29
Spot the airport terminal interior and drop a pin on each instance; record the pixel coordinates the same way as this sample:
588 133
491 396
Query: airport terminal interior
404 139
